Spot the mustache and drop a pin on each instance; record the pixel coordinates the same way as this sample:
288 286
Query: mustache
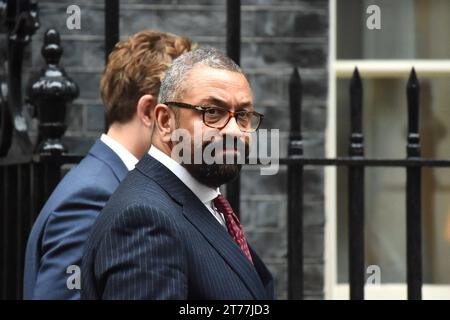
226 142
223 145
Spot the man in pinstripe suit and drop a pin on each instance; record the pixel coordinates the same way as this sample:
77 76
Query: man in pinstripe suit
129 88
167 232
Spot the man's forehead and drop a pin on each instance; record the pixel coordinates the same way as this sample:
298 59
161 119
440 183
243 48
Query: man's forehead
218 101
203 72
204 83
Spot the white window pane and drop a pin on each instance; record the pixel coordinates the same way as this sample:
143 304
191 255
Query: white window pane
410 29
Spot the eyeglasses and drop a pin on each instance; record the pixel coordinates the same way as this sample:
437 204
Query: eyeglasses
218 118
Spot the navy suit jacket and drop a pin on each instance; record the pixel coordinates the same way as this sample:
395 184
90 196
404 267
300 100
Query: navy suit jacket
156 240
55 245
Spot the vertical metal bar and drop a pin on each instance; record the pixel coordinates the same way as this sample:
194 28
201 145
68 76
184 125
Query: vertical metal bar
33 194
11 222
111 25
38 185
18 231
32 209
233 188
52 174
295 192
111 32
356 192
413 194
23 226
3 228
234 30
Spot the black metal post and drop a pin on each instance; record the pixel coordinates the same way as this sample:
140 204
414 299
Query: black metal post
233 188
10 241
23 225
356 192
234 30
52 173
4 228
413 194
295 192
50 93
111 32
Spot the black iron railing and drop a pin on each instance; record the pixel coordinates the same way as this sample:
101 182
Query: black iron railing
29 175
356 162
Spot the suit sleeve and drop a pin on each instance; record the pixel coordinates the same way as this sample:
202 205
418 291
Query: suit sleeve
62 245
142 257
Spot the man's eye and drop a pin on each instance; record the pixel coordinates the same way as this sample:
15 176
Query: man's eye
213 112
243 115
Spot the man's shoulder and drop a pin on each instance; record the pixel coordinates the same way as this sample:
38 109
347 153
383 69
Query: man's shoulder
85 188
91 173
138 193
100 167
68 214
139 190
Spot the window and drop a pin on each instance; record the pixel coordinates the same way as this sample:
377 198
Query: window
413 33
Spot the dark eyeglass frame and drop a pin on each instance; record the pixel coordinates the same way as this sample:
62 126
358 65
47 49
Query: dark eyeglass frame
203 110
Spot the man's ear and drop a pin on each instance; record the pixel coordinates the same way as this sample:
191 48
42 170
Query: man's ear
145 107
164 118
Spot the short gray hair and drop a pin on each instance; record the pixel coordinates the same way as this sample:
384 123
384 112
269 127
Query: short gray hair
172 87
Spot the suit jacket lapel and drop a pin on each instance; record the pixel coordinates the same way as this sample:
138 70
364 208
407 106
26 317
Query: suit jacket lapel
104 153
264 274
196 212
218 237
159 173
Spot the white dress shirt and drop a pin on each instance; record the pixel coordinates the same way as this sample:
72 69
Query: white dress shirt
126 156
204 193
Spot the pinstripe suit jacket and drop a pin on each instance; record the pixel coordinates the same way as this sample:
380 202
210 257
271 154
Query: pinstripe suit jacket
156 240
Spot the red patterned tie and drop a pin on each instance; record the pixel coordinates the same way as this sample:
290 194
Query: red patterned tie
233 224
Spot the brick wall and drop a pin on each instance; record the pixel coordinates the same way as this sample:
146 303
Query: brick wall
276 35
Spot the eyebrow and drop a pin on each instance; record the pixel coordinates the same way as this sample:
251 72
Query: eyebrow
223 104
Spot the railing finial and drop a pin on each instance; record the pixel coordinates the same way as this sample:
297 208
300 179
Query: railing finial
50 93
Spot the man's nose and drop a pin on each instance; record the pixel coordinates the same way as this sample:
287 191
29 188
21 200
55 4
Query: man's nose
232 128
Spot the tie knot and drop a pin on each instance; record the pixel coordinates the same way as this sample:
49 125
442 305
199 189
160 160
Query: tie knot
224 207
220 201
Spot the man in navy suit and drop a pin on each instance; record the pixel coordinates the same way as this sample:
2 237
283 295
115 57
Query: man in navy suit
129 87
167 232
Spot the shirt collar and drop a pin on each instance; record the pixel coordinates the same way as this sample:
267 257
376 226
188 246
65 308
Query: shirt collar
204 193
126 156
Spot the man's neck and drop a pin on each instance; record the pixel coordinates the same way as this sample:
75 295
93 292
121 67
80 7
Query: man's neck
200 189
164 148
129 136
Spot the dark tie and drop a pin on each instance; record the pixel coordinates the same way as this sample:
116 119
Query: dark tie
233 225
